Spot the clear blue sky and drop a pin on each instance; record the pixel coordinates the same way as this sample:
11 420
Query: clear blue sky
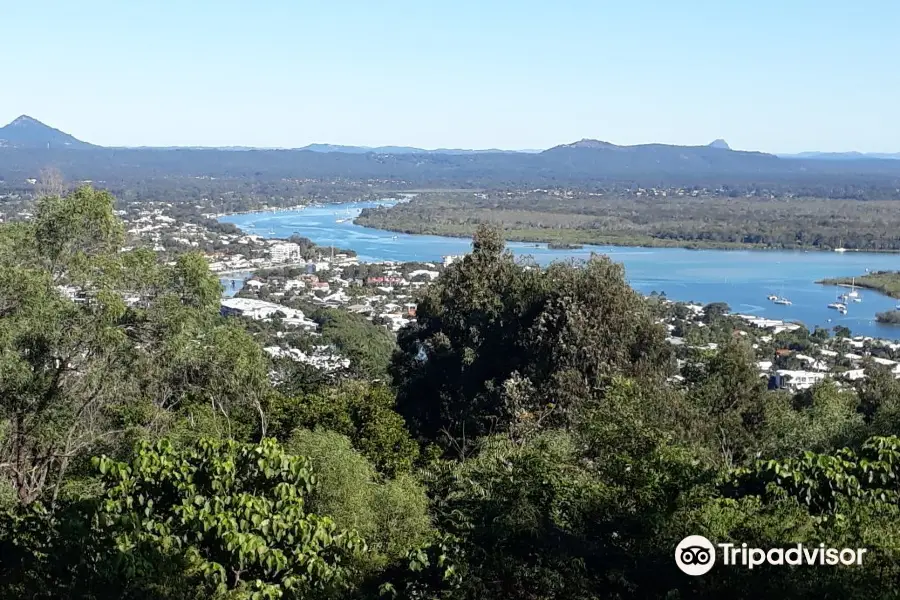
772 75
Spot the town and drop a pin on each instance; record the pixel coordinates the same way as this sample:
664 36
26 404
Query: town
284 281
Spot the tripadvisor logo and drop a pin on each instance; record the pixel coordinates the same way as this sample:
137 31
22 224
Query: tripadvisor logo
696 555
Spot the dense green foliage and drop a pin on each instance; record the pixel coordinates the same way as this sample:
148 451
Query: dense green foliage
368 346
641 218
392 515
886 282
533 442
497 347
365 414
891 317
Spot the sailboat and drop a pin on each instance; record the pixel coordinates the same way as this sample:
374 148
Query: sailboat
854 295
781 299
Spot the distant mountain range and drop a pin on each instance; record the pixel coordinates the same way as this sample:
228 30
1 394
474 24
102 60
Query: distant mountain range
27 146
844 155
26 132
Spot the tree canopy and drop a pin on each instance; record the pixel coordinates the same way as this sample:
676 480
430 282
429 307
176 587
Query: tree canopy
529 441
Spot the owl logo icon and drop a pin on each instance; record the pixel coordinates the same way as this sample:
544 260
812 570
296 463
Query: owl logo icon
695 555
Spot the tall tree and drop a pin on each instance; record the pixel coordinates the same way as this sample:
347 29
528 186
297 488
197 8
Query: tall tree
98 345
496 342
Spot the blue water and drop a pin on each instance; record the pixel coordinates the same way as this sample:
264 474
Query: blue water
742 278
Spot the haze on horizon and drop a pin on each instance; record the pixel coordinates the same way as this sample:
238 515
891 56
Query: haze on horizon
768 75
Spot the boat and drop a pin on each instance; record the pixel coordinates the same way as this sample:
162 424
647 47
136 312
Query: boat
840 249
341 220
772 297
854 295
780 299
838 306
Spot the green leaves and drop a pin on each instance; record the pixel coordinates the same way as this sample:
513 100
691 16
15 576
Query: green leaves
233 509
496 342
824 481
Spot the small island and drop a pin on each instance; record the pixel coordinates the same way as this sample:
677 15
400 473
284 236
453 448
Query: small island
564 246
886 282
890 317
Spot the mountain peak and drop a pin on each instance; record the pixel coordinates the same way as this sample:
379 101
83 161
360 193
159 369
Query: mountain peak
585 143
720 143
28 132
24 120
588 143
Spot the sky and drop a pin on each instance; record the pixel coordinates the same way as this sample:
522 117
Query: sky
769 75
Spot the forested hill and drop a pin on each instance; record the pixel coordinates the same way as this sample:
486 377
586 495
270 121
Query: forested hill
580 164
26 132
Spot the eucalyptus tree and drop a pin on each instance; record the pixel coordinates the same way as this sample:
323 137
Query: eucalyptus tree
99 346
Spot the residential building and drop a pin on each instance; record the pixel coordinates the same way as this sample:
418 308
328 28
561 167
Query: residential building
796 380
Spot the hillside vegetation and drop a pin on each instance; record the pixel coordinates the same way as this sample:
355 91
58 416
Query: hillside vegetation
532 444
650 218
886 282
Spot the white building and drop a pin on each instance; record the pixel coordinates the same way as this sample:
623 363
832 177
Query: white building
284 252
854 374
294 284
797 380
321 358
260 310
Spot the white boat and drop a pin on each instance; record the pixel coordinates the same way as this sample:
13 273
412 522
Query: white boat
783 301
341 220
840 249
838 306
854 295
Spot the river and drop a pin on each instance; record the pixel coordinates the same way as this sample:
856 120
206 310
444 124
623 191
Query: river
742 278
